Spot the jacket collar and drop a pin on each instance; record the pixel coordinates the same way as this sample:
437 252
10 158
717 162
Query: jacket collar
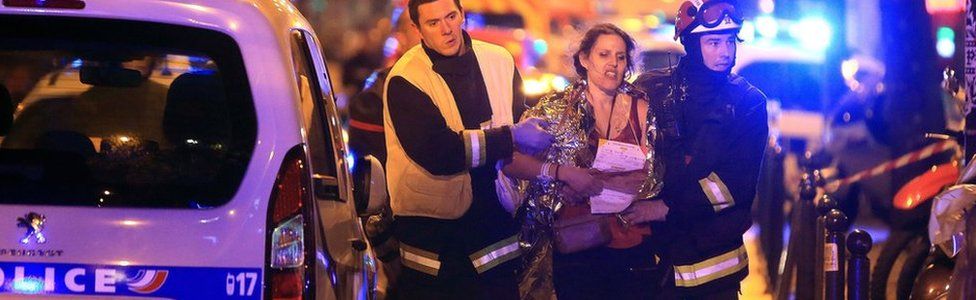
461 64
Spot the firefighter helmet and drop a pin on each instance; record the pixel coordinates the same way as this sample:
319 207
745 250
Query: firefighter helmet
698 16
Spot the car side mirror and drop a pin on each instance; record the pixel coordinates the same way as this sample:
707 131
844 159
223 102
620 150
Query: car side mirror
369 186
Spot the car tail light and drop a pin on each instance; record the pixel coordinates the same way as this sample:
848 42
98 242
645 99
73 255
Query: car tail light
288 244
288 228
70 4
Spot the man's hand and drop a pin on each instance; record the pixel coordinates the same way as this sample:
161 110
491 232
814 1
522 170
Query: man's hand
530 135
645 211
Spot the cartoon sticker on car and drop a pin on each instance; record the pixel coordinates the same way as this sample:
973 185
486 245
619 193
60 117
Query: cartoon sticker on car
34 222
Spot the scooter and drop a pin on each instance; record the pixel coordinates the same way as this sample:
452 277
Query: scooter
948 272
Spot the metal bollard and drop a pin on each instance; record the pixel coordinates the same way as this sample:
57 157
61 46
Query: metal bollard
824 206
834 254
798 264
769 215
859 266
806 247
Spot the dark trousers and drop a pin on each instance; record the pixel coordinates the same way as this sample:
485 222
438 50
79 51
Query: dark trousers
730 294
413 286
605 273
583 283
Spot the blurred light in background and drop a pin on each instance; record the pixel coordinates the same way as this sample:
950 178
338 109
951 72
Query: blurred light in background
652 21
767 6
474 20
945 44
396 14
519 34
534 87
540 46
390 46
944 6
632 25
814 33
767 26
848 68
541 84
666 29
560 83
748 31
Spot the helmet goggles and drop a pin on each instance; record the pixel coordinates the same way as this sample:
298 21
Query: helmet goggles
712 15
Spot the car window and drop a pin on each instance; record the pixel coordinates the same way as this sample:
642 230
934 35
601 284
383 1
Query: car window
794 84
320 137
121 114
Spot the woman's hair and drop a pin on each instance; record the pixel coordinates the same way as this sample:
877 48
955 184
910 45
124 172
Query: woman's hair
589 39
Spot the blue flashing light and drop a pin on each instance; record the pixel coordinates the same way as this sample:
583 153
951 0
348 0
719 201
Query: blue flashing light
814 33
75 64
540 46
371 80
198 64
28 285
390 46
474 20
767 26
395 16
351 160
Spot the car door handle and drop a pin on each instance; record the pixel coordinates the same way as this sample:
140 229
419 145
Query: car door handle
326 187
358 244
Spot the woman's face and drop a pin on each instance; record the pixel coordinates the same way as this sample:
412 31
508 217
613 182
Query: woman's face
606 62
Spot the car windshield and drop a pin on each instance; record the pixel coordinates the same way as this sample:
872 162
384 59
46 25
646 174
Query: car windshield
121 114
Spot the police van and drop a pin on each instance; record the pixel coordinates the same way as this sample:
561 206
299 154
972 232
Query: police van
175 149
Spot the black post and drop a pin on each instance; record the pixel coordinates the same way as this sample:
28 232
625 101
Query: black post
834 255
806 247
859 266
769 210
784 282
824 206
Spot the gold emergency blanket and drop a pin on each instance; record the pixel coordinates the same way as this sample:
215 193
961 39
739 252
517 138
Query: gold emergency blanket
570 119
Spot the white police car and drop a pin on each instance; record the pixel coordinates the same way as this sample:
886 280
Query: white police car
173 149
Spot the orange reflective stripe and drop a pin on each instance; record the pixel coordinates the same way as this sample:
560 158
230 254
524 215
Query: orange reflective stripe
365 126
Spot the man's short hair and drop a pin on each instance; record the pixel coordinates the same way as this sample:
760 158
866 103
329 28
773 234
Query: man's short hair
412 6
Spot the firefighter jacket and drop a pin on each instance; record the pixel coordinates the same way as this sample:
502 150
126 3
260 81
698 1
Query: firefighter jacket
711 171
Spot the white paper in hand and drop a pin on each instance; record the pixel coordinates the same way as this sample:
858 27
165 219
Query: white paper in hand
613 156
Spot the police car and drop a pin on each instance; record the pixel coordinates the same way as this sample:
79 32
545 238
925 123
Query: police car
174 149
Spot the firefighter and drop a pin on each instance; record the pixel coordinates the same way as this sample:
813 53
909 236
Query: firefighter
714 133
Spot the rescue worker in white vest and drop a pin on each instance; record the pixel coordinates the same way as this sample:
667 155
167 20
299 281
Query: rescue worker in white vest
448 118
714 134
